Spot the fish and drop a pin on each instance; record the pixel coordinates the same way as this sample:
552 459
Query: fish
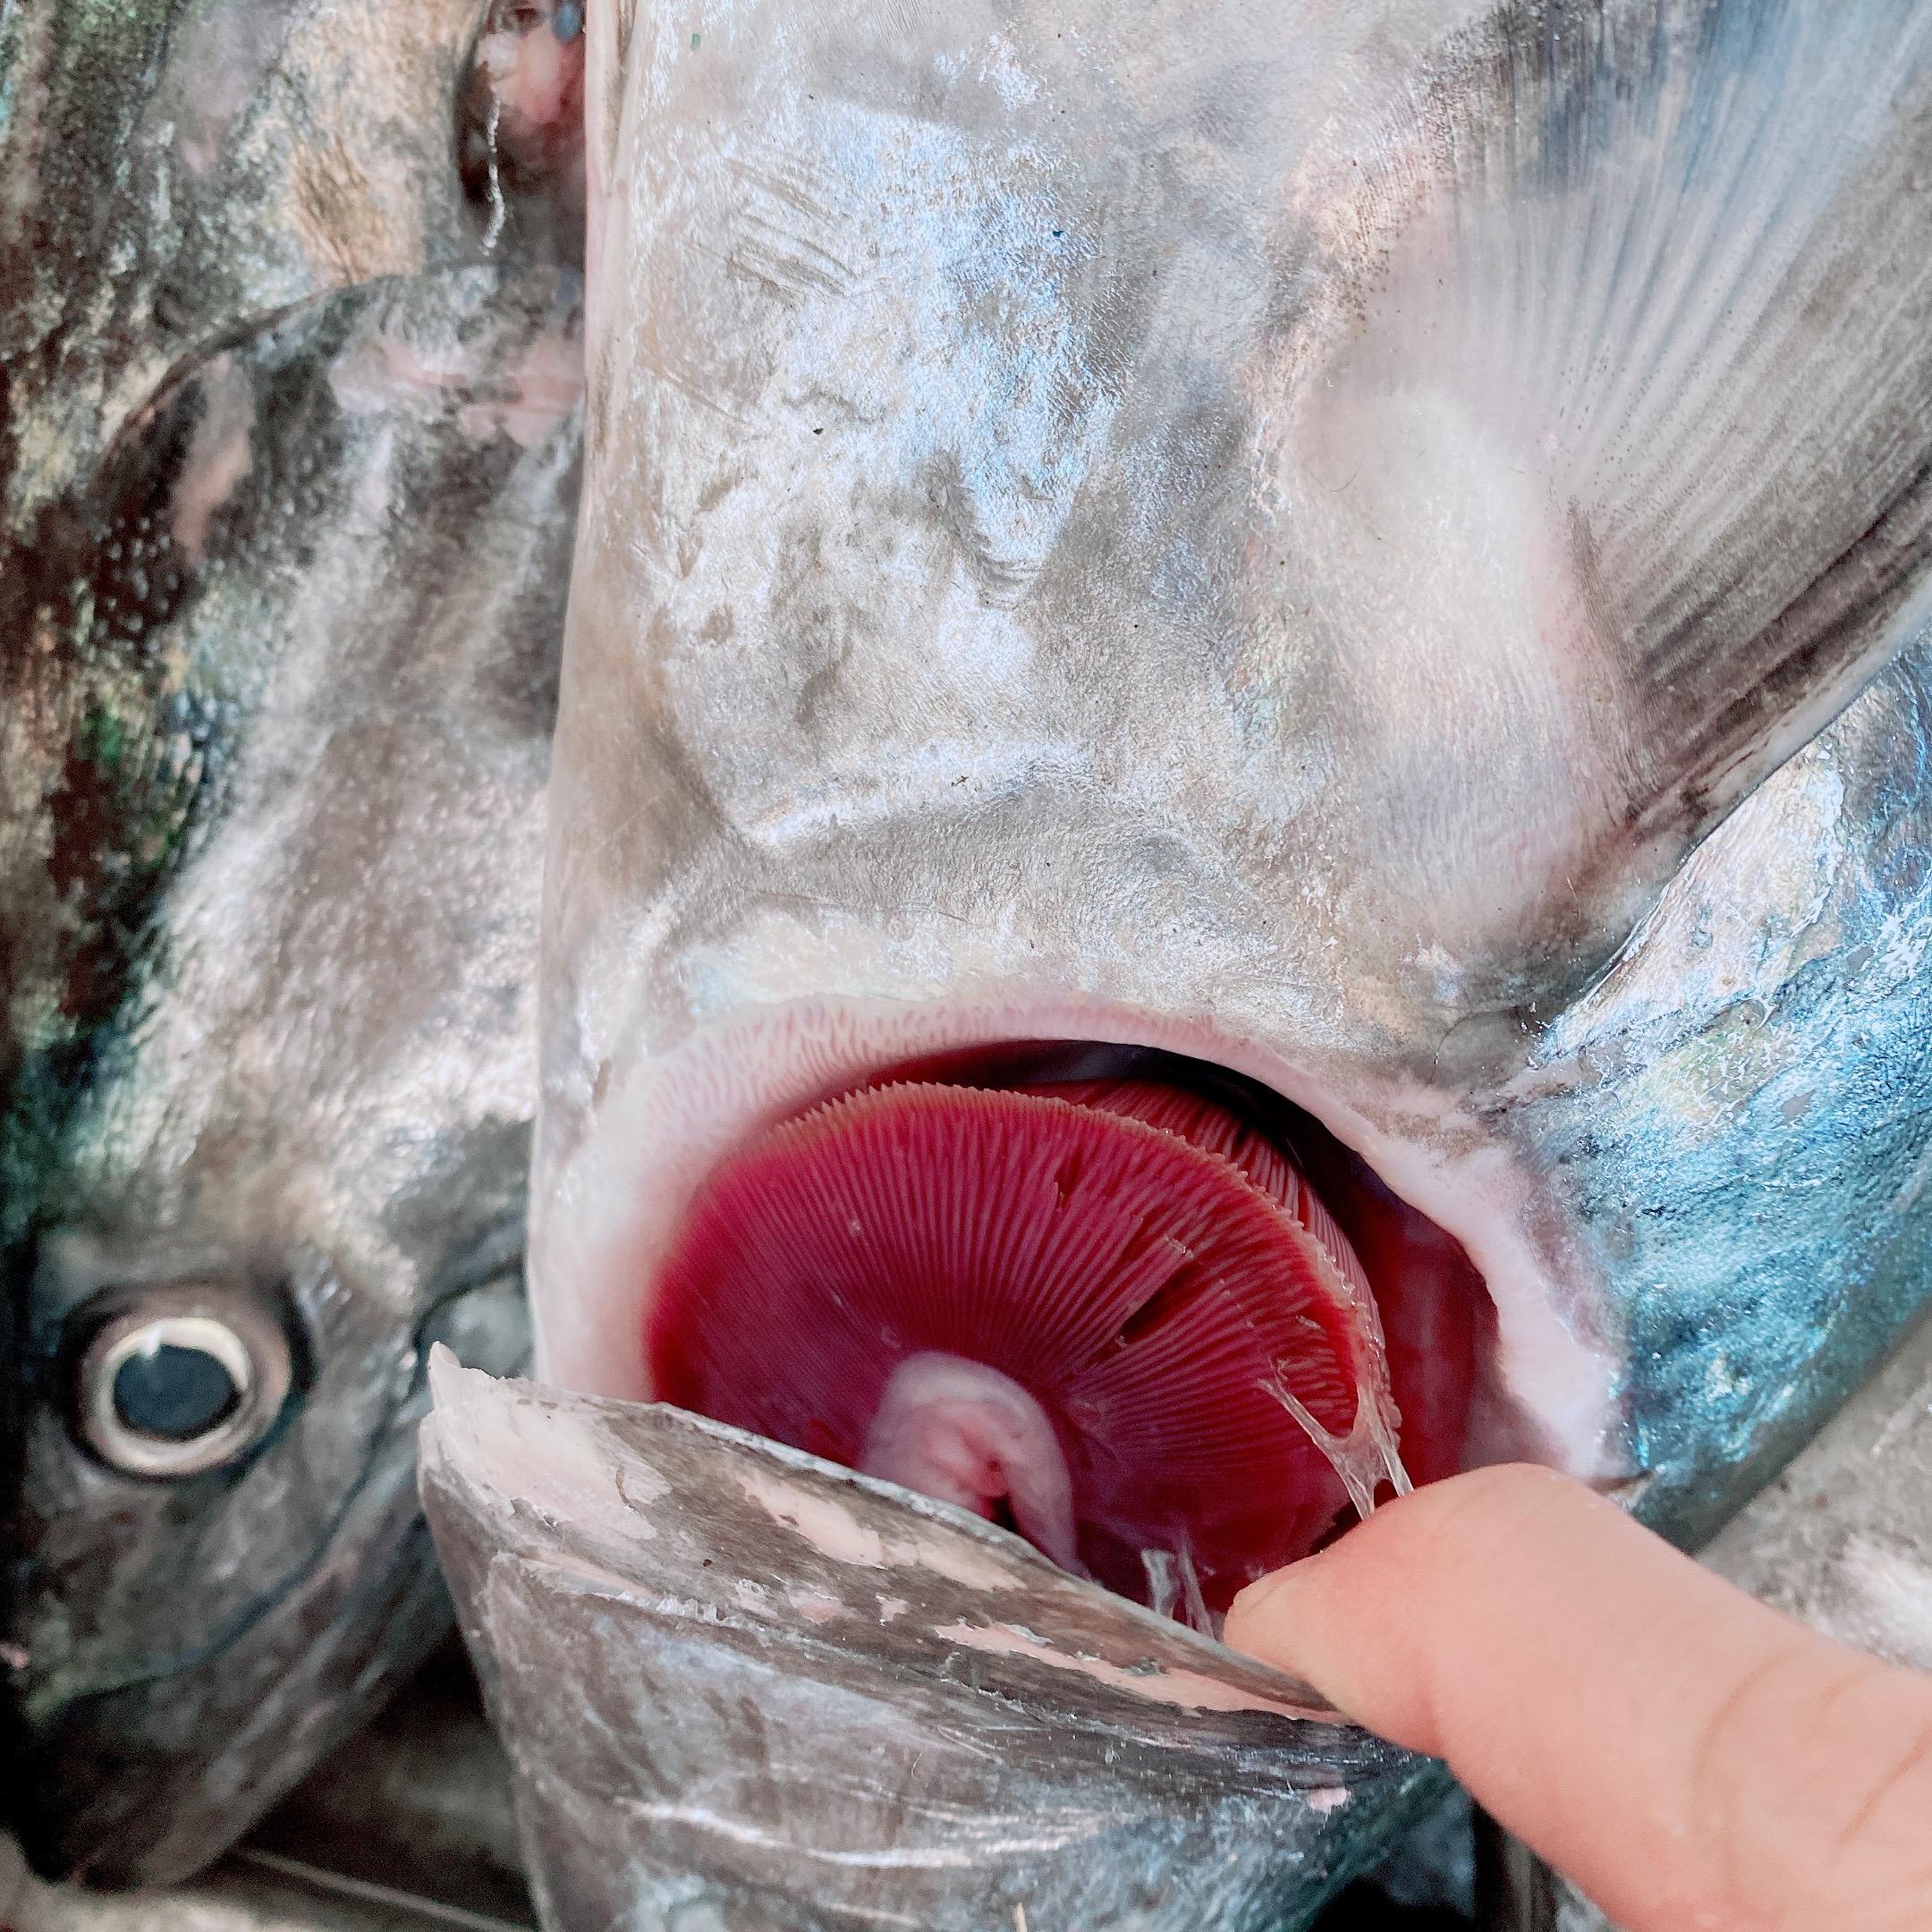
291 442
1240 815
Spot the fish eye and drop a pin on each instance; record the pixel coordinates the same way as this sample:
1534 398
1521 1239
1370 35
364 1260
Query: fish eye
182 1382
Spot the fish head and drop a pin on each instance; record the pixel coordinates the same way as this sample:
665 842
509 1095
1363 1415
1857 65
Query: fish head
1341 585
1083 544
276 733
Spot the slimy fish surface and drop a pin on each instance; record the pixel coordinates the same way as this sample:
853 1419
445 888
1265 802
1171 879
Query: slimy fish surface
1239 814
1241 807
1223 678
289 462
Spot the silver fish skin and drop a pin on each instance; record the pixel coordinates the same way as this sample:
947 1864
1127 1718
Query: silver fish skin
879 1709
289 483
1381 546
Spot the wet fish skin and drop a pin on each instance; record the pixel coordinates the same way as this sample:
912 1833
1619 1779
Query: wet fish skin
179 171
1383 545
1734 1126
289 481
835 791
807 1701
320 1102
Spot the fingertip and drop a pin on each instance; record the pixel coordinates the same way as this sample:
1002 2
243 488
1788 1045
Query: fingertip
1421 1622
1263 1620
1344 1621
1643 1724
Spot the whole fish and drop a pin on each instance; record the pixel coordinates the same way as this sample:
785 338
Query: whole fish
289 465
1241 812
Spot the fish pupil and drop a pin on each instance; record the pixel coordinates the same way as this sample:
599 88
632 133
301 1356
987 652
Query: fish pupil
173 1393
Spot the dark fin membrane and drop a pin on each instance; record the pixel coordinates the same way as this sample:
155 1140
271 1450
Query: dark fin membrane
1207 1361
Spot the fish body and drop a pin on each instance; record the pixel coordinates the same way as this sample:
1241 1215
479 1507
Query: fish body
1363 566
289 493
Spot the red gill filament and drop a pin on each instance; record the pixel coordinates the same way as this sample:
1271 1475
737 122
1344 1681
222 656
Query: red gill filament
1072 1308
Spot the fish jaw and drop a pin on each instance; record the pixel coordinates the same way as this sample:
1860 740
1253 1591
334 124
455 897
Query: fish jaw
835 1703
127 1788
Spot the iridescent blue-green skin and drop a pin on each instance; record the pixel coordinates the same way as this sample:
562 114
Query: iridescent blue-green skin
1737 1121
